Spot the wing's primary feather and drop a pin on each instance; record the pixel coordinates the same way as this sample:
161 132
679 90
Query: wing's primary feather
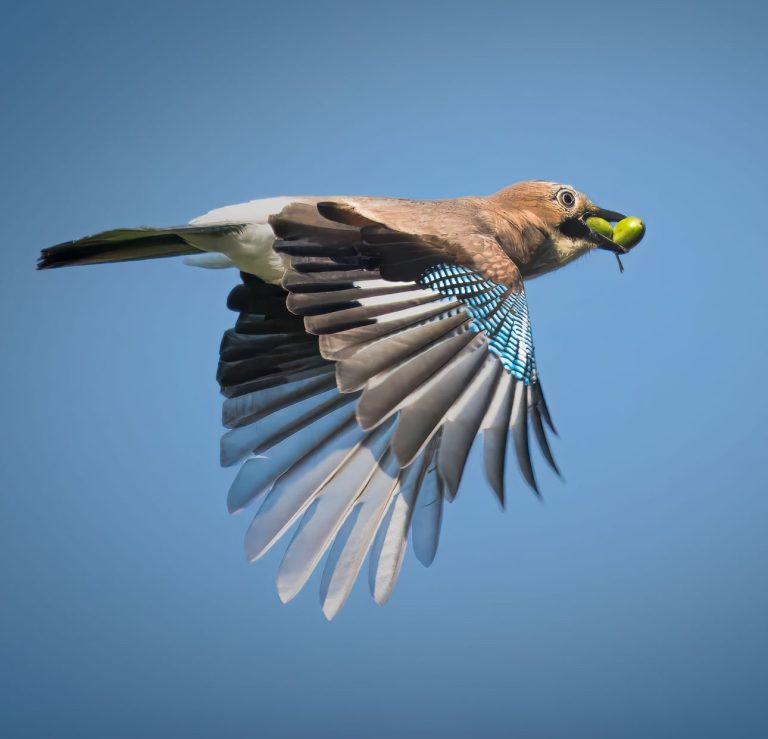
424 412
303 474
494 431
328 512
389 546
428 513
462 422
348 553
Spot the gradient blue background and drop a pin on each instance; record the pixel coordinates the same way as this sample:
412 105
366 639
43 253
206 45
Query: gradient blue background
632 603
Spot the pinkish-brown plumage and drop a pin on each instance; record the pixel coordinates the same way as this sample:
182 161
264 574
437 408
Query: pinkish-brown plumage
514 234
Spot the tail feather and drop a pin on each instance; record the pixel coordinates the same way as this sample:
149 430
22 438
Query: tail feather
128 244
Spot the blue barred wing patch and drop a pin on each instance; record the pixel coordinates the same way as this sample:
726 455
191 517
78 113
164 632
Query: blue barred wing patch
496 309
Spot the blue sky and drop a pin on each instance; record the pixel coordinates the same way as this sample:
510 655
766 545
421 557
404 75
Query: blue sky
631 603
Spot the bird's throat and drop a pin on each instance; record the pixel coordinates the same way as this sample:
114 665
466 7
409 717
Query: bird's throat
554 254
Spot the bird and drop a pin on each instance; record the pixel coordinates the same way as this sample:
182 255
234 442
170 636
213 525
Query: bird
377 340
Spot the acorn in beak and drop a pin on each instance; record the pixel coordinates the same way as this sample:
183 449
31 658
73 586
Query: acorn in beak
626 234
598 222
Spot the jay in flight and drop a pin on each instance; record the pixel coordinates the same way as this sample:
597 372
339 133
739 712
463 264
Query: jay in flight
377 340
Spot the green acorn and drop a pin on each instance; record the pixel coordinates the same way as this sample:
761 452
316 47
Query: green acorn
601 226
629 232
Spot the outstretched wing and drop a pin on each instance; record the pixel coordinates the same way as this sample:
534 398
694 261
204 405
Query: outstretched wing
355 393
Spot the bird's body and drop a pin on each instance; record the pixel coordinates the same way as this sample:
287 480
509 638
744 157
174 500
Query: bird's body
377 338
521 232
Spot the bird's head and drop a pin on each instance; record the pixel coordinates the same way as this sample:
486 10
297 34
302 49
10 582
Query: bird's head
561 212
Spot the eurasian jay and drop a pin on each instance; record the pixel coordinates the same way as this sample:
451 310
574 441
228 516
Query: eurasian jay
377 338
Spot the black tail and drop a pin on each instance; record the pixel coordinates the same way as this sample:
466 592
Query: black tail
128 244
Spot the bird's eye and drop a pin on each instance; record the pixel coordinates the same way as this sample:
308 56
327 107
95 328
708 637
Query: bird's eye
567 198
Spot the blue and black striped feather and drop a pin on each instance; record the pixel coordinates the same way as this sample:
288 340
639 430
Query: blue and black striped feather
499 311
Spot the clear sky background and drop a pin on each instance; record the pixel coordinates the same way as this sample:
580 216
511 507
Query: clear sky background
631 603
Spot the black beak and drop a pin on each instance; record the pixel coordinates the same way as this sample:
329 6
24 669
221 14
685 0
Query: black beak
608 215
